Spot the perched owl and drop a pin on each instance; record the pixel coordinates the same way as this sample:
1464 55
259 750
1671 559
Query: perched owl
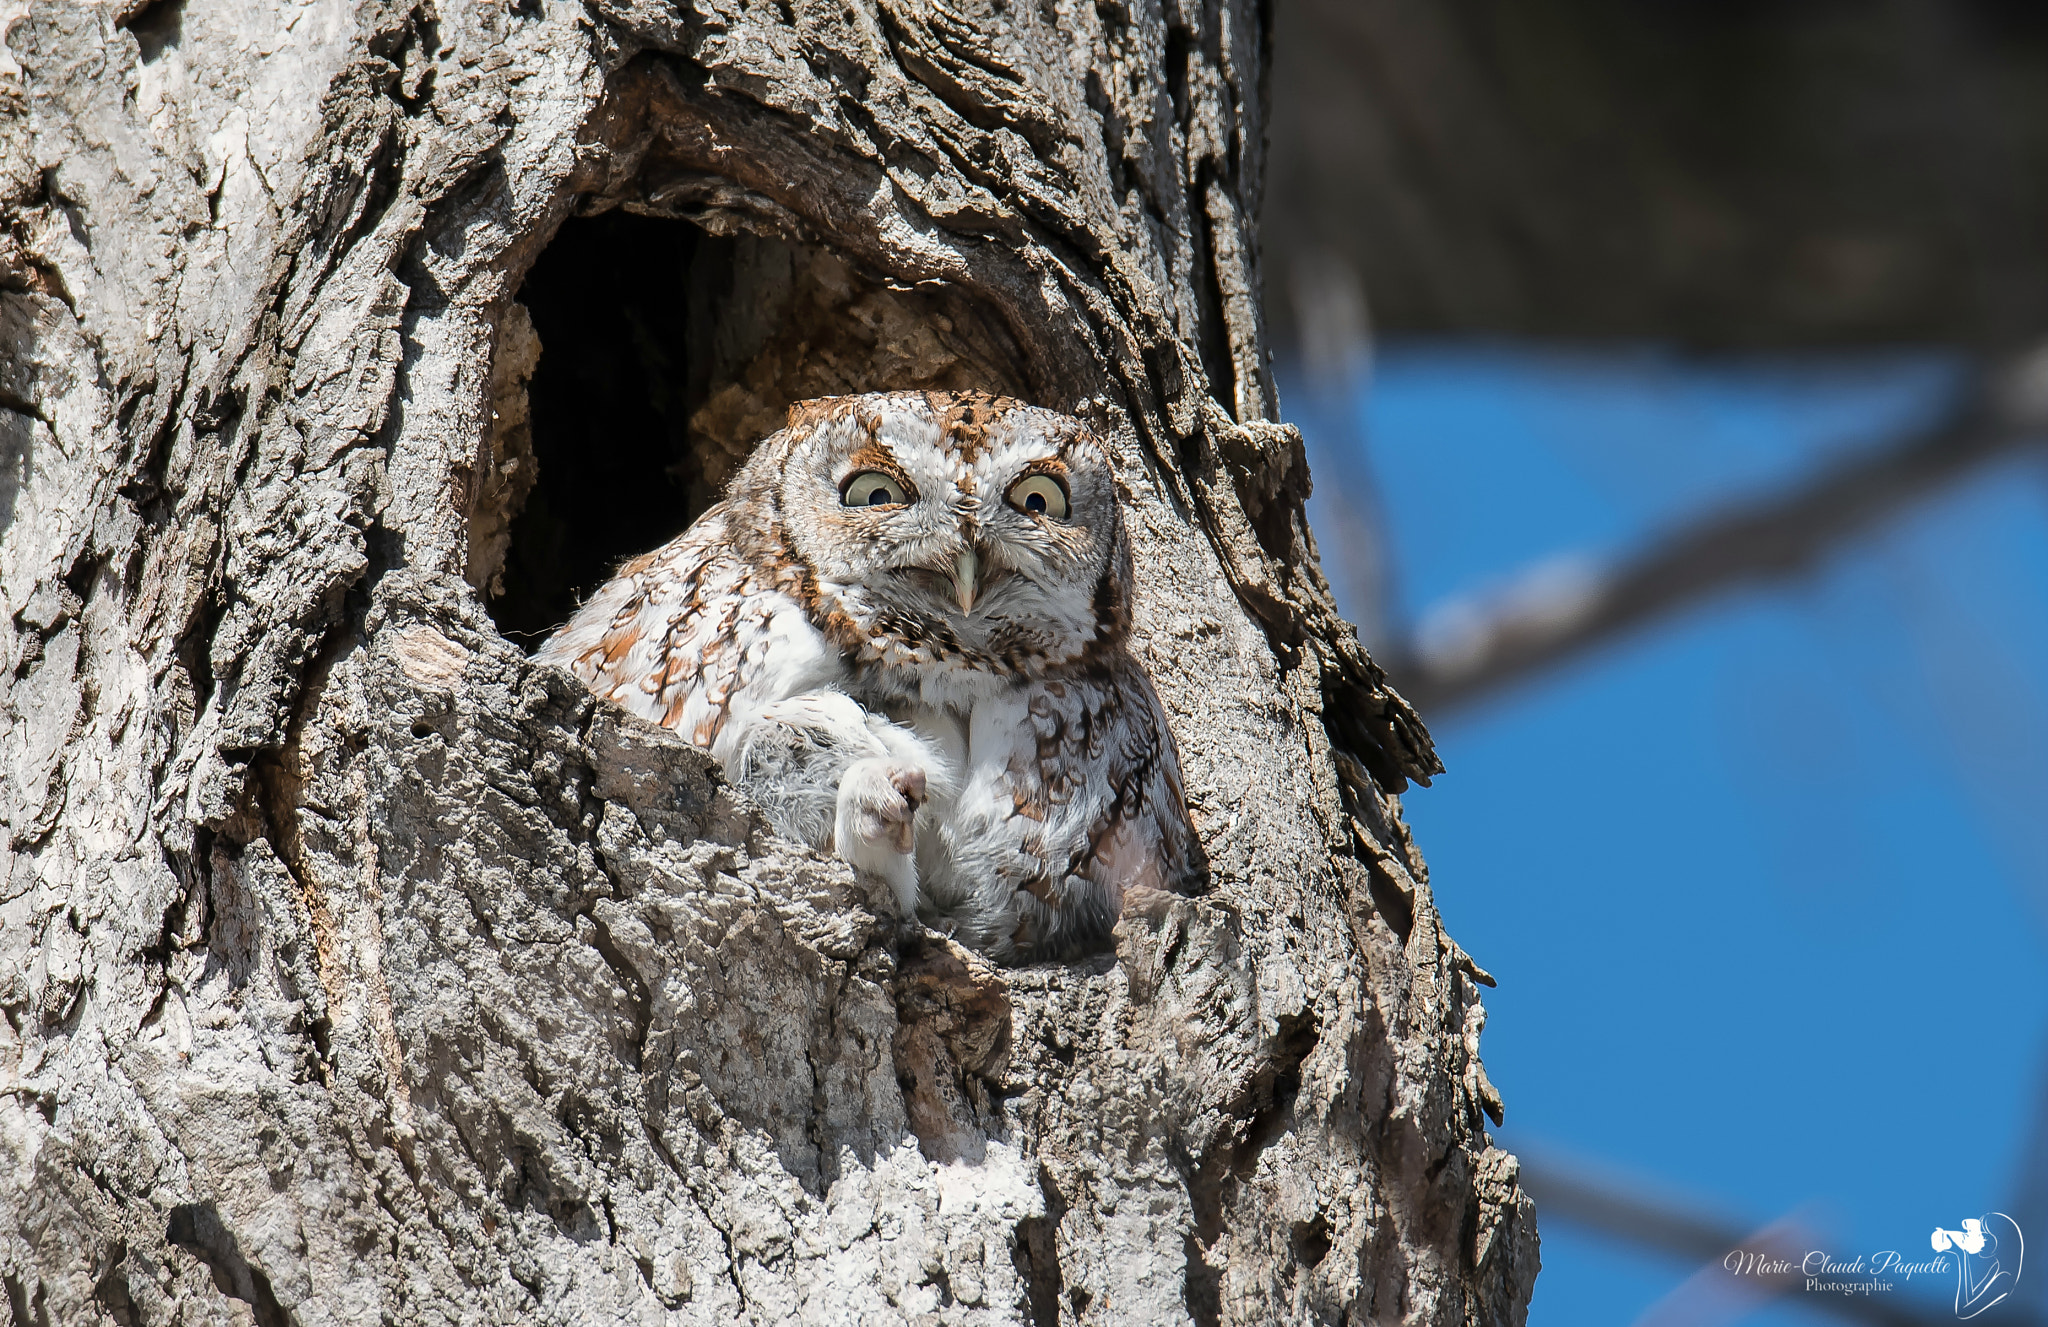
903 633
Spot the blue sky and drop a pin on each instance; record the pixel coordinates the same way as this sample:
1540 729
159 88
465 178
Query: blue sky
1766 884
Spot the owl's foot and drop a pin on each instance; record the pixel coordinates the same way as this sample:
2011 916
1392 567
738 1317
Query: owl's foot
876 828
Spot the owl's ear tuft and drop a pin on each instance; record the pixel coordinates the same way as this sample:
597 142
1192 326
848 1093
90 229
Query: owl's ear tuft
823 410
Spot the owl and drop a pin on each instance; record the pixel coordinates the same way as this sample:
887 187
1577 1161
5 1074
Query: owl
903 633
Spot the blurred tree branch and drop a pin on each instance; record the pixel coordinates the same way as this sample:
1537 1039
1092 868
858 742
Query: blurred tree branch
1555 615
1333 327
1729 175
1659 1226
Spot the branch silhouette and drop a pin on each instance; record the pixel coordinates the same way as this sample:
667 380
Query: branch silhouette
1562 613
1687 1235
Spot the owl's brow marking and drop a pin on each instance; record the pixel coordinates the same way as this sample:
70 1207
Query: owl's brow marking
1053 468
875 455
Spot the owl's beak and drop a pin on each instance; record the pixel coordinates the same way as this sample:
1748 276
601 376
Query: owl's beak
966 570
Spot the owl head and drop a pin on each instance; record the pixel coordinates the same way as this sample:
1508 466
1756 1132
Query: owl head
955 530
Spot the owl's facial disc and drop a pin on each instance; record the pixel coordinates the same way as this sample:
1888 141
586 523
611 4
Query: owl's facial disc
957 527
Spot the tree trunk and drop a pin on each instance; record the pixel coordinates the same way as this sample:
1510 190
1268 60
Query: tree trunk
356 969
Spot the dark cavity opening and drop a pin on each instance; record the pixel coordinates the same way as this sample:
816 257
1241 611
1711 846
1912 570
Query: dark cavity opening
608 408
643 359
156 27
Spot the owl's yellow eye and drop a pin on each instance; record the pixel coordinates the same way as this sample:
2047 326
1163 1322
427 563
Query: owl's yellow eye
871 488
1041 495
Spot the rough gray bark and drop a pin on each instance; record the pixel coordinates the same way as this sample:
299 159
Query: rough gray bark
354 969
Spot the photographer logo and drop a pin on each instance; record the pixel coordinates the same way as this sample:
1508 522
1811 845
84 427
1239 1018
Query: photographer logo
1989 1252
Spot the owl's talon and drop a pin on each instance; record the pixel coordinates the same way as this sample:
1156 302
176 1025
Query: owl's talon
876 828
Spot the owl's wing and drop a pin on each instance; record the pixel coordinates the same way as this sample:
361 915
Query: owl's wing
1098 748
695 639
1141 834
